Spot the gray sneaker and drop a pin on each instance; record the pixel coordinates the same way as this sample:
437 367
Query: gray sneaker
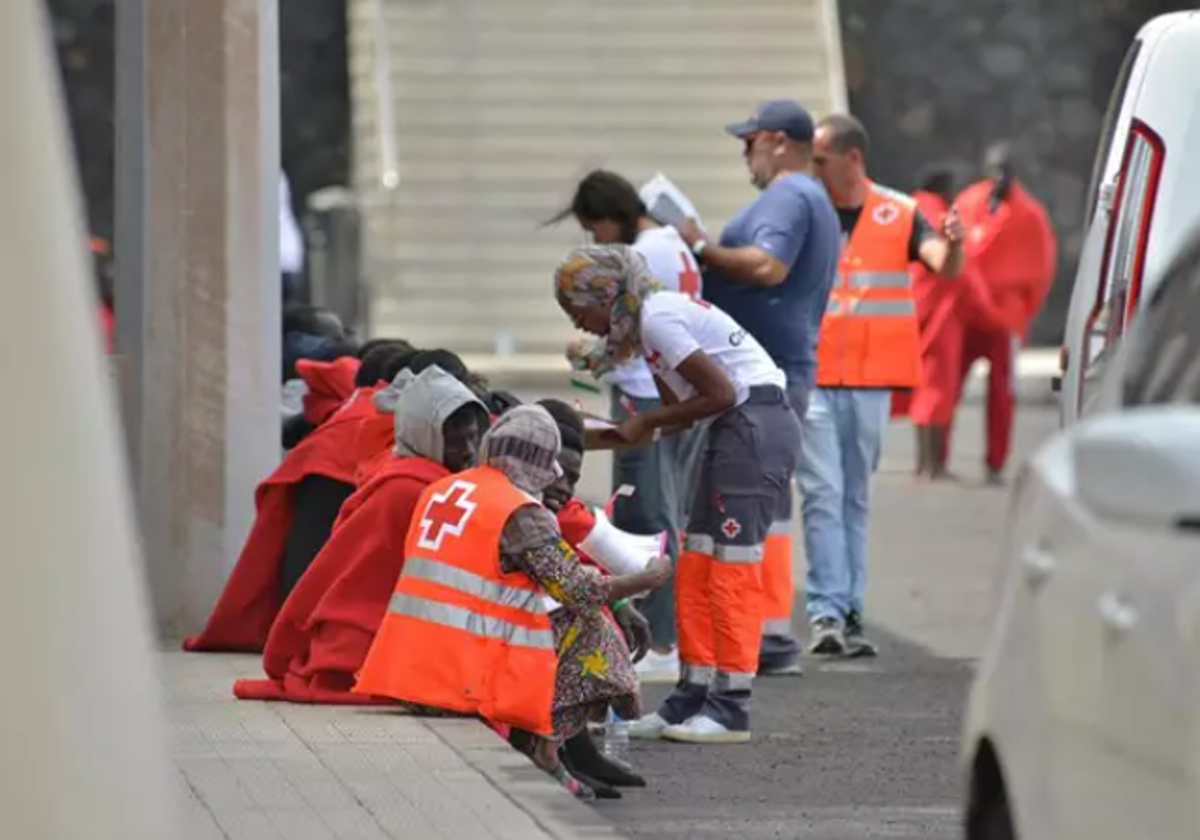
828 637
857 643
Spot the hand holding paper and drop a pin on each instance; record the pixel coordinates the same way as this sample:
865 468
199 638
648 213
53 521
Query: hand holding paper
667 204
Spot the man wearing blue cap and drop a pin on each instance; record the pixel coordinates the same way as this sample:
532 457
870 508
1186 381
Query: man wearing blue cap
772 270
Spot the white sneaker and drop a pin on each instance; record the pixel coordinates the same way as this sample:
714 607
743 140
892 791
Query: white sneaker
647 728
701 729
659 668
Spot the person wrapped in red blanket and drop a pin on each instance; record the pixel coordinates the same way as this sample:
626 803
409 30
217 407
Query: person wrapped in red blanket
323 631
295 509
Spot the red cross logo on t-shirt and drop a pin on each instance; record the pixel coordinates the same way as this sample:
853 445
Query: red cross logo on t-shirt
446 513
653 359
731 528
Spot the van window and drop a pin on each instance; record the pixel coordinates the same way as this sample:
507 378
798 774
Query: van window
1120 287
1109 128
1164 354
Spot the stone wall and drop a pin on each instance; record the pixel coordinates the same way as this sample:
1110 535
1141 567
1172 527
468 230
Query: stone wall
314 92
937 80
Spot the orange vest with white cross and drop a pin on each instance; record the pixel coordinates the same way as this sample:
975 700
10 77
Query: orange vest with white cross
460 634
870 337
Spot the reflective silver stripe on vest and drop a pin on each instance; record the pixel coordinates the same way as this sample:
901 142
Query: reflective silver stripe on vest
733 681
872 308
469 583
739 553
781 526
486 626
880 280
885 307
701 543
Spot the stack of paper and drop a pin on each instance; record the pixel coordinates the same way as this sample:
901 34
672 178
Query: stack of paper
666 203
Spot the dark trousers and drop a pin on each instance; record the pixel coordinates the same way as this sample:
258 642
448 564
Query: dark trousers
317 502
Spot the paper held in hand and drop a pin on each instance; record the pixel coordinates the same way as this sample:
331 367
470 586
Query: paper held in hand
666 203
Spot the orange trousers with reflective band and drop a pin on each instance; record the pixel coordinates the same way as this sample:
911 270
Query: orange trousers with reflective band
719 604
777 580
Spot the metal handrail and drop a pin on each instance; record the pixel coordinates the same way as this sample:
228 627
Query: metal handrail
389 176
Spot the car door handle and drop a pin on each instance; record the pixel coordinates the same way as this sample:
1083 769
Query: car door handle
1039 564
1117 614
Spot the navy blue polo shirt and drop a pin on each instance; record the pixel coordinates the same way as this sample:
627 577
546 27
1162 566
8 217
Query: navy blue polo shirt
793 220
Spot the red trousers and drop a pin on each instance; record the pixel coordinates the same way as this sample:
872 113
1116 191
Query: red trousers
1000 348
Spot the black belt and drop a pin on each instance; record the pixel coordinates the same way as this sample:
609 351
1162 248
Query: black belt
766 395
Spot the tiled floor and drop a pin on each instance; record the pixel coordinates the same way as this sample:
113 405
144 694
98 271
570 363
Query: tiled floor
274 770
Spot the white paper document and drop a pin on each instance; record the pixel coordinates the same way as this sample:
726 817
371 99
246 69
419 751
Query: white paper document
666 203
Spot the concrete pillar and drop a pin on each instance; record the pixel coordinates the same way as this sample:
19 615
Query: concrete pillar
84 749
206 413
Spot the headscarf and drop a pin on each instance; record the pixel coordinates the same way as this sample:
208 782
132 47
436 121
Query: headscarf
523 444
600 275
422 403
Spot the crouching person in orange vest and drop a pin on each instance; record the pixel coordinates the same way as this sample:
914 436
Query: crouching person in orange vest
467 630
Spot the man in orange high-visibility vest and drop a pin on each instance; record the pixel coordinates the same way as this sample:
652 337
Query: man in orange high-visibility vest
869 344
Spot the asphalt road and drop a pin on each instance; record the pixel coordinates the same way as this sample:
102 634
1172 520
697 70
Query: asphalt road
864 749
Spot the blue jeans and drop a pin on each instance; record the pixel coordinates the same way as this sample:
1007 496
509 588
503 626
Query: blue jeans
839 452
663 475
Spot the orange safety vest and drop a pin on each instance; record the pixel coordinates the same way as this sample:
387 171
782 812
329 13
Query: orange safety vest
460 634
870 336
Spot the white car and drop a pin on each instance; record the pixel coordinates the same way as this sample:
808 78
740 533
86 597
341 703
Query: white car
1084 718
1143 201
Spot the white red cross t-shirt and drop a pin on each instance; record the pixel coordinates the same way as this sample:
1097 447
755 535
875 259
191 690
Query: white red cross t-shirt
675 326
671 263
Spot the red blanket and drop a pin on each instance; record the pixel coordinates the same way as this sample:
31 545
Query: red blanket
321 635
251 598
330 384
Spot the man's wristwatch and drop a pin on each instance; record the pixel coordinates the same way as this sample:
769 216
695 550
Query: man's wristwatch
698 248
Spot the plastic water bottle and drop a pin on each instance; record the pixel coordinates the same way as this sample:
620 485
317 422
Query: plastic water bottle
616 738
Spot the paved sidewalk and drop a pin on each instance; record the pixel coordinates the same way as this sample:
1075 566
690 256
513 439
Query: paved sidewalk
258 771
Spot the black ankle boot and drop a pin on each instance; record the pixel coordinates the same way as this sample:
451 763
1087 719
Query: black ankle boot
583 755
603 790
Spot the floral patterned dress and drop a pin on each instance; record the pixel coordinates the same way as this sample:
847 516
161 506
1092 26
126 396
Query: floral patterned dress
595 669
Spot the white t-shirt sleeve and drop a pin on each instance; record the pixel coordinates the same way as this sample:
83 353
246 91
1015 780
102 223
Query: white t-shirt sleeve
666 337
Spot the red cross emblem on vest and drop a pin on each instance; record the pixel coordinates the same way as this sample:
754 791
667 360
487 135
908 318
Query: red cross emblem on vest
885 214
446 513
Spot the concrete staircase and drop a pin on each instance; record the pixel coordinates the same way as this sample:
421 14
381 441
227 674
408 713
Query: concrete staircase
499 109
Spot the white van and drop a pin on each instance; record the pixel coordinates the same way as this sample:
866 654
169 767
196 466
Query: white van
1143 200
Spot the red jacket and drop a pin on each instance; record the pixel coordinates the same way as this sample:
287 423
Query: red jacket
1014 248
251 598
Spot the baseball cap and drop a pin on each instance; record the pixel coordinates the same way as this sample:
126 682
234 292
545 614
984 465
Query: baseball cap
777 115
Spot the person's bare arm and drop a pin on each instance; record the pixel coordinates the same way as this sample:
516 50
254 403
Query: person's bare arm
944 255
747 264
714 394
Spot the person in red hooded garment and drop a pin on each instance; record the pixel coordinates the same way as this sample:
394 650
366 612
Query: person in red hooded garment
296 507
321 636
1012 244
943 308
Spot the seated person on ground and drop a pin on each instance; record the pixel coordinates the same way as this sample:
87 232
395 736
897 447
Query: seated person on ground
576 521
295 509
481 553
325 386
323 631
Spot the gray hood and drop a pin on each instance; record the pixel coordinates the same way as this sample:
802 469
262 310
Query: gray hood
422 404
